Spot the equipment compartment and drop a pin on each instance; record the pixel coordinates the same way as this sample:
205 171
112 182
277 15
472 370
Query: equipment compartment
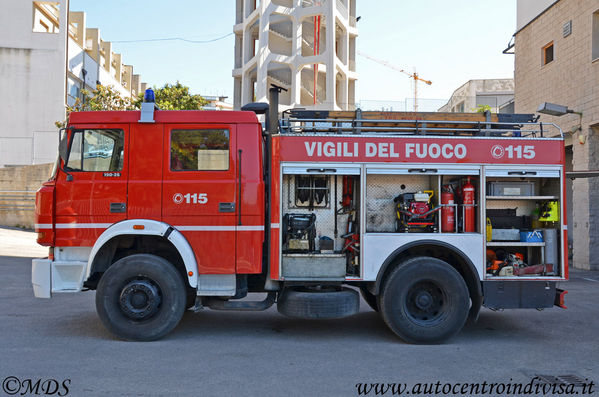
381 192
523 224
422 201
460 199
320 223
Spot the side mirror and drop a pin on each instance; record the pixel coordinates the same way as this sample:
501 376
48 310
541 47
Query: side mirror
63 151
63 146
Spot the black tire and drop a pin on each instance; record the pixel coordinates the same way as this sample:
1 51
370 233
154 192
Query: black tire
424 300
370 298
319 304
141 297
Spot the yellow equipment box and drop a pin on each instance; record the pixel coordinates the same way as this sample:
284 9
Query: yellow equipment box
549 212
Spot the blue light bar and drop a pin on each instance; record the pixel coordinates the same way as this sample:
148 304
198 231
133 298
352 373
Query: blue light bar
149 96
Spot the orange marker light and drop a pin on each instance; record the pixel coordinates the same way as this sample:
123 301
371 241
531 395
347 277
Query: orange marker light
139 227
190 273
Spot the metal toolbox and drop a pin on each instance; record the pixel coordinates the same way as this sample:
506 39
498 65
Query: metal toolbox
314 266
506 234
511 188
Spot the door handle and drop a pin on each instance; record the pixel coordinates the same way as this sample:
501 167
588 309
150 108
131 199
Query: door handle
522 173
118 207
226 207
321 170
422 170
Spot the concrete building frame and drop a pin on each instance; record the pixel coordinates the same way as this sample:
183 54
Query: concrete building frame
276 43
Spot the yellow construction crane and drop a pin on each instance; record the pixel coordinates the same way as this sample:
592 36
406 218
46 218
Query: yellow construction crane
396 68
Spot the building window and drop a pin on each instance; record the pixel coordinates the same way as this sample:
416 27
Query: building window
73 91
46 16
199 150
595 37
547 53
459 108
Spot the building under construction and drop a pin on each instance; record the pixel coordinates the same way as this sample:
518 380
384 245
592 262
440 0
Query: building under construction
307 47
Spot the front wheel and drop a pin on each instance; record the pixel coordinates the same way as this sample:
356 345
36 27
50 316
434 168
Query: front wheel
141 297
424 300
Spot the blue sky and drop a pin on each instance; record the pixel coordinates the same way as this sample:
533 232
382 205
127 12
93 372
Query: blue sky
446 41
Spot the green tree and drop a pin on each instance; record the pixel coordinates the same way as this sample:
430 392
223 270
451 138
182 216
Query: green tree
169 97
483 108
106 98
102 98
175 97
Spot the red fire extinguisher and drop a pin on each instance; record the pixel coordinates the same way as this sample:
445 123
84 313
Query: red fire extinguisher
348 192
468 207
447 213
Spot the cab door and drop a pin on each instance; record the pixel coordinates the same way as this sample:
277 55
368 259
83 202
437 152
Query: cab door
200 191
92 194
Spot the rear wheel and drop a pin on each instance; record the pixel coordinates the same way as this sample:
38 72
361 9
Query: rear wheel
141 297
424 300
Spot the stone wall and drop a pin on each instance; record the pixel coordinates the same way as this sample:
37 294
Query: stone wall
571 79
17 193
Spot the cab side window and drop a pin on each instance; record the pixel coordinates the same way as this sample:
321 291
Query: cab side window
200 150
97 150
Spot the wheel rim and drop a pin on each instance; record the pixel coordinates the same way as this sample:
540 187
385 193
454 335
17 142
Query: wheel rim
426 303
140 299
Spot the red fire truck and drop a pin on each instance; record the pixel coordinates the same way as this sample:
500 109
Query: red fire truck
428 215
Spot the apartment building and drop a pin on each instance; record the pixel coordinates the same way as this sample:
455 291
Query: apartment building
216 102
496 93
47 56
556 48
307 47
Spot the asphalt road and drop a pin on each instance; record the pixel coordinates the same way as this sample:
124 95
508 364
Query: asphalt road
265 354
19 242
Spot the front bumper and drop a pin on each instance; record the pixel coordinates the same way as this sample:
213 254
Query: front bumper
50 277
